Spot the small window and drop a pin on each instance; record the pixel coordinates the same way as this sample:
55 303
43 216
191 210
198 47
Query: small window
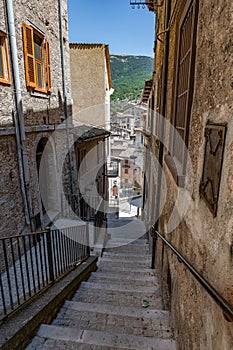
4 60
37 60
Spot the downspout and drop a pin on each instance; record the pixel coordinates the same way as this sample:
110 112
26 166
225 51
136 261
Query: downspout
162 112
65 103
18 115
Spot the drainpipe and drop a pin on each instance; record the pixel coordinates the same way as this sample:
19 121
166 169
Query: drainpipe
18 115
162 112
65 103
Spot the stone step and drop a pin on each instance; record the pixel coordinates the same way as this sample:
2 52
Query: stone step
115 323
131 276
39 343
123 263
159 317
126 271
119 315
116 247
147 281
126 250
101 338
128 241
117 297
118 287
126 256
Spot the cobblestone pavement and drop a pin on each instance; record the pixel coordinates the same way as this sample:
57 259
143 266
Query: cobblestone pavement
107 311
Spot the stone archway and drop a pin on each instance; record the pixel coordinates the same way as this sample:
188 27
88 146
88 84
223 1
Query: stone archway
47 175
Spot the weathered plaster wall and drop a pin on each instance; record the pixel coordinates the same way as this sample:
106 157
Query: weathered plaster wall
88 83
11 212
205 241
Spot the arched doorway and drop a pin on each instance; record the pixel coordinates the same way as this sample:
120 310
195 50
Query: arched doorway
47 176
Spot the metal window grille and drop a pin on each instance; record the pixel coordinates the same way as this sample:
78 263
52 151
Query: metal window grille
184 79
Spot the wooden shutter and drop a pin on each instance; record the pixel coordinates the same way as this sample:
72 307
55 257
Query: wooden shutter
47 78
4 58
29 58
185 77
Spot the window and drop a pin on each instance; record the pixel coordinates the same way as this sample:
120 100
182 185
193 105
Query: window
37 60
184 79
4 60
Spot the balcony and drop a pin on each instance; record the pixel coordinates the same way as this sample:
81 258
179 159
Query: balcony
112 169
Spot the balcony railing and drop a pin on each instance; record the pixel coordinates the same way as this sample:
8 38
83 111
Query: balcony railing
31 262
112 169
80 206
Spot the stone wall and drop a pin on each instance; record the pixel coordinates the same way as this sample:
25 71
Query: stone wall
204 240
42 112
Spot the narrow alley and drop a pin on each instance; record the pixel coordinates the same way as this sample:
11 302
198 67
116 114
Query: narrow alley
116 175
119 307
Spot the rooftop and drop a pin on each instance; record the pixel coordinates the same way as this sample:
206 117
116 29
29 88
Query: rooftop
87 133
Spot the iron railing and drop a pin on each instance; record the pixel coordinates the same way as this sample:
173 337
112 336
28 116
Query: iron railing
78 206
112 169
224 305
31 262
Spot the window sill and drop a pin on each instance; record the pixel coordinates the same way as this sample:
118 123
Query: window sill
174 167
39 94
5 82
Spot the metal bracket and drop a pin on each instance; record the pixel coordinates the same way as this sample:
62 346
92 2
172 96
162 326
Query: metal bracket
143 4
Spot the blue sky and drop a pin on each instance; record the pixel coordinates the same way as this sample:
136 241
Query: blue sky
112 22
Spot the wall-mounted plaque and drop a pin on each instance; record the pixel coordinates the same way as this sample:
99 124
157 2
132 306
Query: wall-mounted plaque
212 168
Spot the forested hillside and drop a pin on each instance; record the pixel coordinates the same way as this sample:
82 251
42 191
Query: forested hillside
129 74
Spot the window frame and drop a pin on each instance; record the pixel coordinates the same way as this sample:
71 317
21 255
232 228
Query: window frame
176 164
5 79
31 62
190 77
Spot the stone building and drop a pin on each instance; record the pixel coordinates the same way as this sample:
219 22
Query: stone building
91 89
35 94
192 89
91 83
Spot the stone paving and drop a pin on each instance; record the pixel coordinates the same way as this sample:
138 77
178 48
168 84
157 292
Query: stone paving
107 313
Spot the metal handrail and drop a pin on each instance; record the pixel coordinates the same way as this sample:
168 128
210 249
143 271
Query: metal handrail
221 302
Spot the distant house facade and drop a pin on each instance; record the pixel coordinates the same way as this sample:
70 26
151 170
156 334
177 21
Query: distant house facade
91 89
127 144
35 94
91 83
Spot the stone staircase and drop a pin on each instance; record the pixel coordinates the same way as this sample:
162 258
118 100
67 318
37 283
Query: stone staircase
107 312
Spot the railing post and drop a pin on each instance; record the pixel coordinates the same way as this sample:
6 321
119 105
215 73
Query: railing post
50 254
87 240
154 238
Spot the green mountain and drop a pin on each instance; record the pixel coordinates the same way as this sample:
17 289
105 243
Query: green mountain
128 76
